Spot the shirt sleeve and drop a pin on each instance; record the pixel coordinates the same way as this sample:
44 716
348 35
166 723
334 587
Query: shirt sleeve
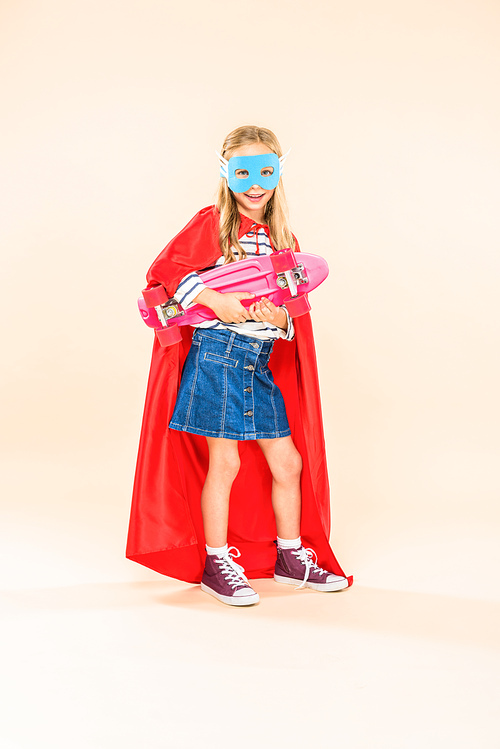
188 289
289 335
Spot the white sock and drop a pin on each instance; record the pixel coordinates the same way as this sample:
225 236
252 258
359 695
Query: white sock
289 543
218 551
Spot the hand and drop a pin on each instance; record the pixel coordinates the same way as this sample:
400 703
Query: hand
228 307
266 311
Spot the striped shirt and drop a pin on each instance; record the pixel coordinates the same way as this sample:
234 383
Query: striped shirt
254 243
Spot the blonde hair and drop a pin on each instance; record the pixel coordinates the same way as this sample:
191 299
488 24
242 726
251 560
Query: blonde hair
276 213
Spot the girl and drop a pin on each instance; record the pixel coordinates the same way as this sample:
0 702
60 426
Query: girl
226 448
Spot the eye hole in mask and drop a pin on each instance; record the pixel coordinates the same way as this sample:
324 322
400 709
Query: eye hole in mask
243 173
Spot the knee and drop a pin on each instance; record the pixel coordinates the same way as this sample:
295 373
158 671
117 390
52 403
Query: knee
225 466
289 468
296 464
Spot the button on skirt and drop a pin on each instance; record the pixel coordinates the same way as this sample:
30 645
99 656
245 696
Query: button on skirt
227 389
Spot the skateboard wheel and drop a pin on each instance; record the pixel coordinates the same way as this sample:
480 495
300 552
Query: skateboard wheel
297 305
155 296
283 261
169 335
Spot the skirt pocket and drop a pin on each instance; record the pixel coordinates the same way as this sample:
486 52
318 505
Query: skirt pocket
221 359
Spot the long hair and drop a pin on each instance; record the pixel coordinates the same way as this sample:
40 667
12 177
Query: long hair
276 213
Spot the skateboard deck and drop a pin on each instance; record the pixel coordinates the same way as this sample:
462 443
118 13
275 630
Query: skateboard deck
283 277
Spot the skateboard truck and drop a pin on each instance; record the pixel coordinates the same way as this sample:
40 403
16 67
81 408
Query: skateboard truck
171 308
291 273
297 275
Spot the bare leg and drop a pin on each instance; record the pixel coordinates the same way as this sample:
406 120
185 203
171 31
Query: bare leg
223 469
285 463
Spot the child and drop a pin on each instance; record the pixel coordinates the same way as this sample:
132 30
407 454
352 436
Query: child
226 448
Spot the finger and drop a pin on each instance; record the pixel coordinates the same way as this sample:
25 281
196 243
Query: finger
254 314
261 315
271 313
244 295
263 308
268 303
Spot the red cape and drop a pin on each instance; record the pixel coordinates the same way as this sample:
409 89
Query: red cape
166 528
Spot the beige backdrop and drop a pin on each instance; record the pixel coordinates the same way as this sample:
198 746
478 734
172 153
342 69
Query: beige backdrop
111 115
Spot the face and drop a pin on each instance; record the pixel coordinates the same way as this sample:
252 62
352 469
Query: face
253 201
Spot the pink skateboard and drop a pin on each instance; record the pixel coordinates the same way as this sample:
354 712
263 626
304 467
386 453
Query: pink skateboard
283 277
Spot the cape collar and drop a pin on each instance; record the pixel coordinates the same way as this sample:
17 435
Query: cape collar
247 223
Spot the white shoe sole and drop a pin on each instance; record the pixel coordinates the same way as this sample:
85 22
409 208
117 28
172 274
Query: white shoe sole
322 587
232 600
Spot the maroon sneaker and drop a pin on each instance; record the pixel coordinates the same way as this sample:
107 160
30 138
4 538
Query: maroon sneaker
224 579
297 566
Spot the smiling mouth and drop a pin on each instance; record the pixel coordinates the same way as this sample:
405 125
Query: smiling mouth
255 198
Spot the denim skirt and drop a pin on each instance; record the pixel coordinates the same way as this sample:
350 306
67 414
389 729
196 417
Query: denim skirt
227 389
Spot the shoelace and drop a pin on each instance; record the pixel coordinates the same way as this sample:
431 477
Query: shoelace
231 571
306 557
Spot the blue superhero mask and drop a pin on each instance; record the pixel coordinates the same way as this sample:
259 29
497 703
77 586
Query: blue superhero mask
263 170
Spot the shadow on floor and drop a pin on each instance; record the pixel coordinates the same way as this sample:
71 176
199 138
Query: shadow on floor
423 615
